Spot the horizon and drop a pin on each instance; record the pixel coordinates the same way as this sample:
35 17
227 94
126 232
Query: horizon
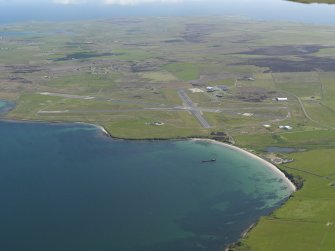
76 10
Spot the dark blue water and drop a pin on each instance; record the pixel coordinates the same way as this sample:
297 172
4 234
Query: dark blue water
68 187
256 9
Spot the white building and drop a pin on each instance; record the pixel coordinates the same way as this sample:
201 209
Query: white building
281 99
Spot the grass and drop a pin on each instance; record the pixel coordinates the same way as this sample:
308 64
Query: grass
177 125
320 112
327 80
303 139
83 83
183 71
158 76
305 84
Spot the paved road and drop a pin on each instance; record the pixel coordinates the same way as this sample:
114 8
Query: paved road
192 108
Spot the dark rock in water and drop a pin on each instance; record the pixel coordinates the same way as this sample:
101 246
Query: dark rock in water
209 160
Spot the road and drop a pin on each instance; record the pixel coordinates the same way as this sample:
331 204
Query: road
307 115
189 105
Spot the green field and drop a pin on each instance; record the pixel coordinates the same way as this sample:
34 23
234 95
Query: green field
128 75
306 221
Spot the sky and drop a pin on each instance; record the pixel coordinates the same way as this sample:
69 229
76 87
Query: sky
97 2
117 2
67 10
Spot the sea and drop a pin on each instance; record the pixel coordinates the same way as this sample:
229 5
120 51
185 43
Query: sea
70 187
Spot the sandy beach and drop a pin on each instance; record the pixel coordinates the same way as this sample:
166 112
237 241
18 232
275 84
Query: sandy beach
103 129
275 169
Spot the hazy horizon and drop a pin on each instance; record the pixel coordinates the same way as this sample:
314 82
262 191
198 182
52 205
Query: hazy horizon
69 10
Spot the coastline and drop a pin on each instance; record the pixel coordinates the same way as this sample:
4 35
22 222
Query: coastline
271 166
101 128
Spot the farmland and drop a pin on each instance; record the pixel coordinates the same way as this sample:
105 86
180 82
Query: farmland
136 66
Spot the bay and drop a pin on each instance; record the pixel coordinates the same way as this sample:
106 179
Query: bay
70 187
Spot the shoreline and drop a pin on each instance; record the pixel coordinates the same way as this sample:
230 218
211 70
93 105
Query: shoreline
268 164
101 128
271 166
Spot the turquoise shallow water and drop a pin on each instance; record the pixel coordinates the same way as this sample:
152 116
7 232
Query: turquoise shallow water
5 106
2 104
69 187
